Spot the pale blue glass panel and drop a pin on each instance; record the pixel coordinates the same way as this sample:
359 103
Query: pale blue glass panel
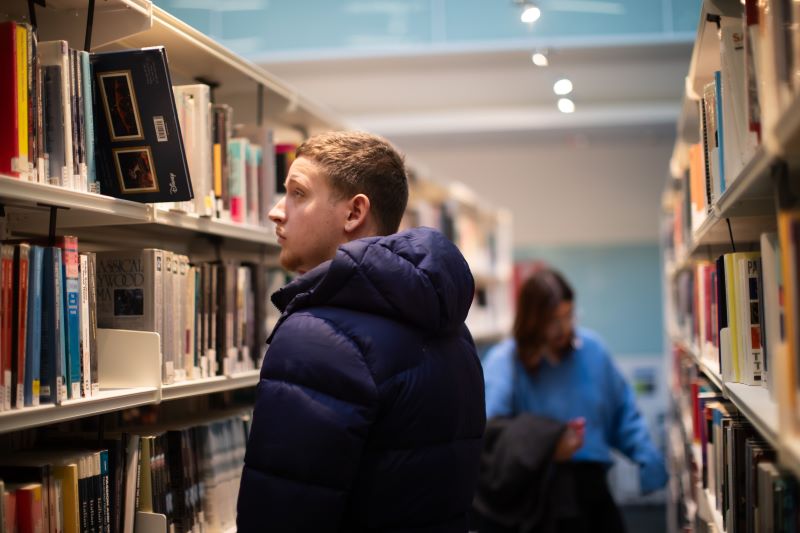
617 291
469 20
685 15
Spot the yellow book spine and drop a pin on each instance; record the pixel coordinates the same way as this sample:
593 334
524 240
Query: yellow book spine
789 276
22 96
68 476
218 170
733 317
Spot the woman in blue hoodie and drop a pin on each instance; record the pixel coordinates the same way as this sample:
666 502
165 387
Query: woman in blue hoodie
369 412
551 369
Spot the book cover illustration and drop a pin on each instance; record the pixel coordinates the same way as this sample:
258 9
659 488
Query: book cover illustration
139 149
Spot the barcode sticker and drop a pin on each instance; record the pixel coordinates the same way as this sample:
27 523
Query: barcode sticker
161 128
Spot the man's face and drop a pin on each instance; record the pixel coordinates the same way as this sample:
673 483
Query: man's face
309 220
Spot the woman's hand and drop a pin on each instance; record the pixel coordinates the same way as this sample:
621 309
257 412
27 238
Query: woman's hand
571 440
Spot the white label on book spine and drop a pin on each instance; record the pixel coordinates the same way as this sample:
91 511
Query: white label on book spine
204 366
36 392
169 371
161 128
7 390
61 390
2 397
20 396
76 390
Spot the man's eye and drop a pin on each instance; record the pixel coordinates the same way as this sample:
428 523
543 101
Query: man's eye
298 193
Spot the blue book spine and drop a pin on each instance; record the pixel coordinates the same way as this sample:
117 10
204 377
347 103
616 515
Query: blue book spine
52 360
106 496
72 326
33 345
720 136
86 70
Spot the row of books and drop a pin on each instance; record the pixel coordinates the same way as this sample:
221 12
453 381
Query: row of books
47 324
80 484
738 469
112 123
212 318
732 311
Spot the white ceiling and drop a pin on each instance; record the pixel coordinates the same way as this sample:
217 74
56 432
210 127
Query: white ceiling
489 117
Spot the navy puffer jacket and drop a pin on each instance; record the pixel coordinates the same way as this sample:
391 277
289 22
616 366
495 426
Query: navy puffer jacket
370 411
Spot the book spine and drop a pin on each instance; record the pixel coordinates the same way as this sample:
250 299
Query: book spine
159 315
88 112
71 288
92 284
33 347
60 330
22 100
86 383
106 494
6 313
20 326
9 137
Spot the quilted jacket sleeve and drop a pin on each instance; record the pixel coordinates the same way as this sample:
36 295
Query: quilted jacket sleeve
315 403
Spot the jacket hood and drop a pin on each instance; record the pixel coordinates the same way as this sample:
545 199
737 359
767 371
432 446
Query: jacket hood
417 276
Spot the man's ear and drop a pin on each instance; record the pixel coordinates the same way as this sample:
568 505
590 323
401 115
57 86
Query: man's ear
357 214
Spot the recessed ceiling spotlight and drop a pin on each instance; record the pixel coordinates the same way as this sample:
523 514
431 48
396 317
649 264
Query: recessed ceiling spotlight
540 59
562 87
565 105
530 14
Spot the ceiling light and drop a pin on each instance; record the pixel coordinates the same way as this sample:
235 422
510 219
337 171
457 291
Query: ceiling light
540 59
565 105
562 87
531 14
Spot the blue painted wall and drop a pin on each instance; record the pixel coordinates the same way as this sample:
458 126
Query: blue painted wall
618 291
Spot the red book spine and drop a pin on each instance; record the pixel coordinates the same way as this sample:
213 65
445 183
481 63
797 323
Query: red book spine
6 311
9 99
29 509
22 326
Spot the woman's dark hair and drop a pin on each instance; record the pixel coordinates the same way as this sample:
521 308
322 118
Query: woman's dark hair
539 297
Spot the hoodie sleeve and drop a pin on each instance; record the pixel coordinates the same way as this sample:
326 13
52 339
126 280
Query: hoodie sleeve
314 406
630 435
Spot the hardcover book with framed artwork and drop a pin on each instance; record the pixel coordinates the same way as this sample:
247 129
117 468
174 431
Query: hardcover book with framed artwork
139 152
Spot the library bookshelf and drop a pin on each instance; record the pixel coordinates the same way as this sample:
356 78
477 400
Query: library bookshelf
702 222
130 362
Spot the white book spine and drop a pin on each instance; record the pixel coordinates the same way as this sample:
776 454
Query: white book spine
86 385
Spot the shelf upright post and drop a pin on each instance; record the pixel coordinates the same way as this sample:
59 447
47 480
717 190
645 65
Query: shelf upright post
87 43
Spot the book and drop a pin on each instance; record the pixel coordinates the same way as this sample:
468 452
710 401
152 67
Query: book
33 345
19 324
71 291
9 87
86 380
6 317
196 129
139 150
94 379
53 360
92 184
131 293
54 58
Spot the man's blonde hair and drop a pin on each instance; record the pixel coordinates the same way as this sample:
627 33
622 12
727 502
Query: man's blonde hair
363 163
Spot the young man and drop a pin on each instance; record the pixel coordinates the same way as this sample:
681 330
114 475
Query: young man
370 410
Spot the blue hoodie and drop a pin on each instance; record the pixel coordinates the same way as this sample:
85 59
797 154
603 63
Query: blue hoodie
370 410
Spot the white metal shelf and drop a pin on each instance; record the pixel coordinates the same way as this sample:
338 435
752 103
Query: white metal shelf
752 401
213 226
80 207
106 401
210 385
